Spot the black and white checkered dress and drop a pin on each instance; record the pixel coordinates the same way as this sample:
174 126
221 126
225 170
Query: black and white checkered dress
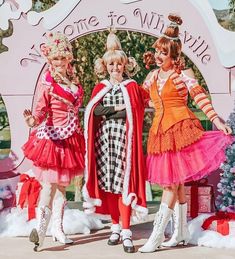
110 146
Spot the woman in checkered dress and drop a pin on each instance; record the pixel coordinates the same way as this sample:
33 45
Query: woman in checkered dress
115 169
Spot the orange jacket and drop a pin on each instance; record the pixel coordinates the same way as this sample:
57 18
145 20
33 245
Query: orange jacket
170 107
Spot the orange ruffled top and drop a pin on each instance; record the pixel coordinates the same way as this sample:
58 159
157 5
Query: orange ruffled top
174 125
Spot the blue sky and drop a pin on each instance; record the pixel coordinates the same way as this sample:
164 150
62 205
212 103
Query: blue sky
219 4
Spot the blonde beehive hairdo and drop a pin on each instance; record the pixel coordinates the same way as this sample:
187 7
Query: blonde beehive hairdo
114 52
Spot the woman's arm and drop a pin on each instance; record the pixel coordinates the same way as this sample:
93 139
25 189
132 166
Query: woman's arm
150 78
41 109
117 115
200 97
101 110
35 118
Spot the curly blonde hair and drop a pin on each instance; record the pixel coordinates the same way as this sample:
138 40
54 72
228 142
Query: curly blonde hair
114 52
58 45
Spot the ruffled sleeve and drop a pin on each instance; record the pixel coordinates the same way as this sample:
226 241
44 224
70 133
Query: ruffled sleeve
41 108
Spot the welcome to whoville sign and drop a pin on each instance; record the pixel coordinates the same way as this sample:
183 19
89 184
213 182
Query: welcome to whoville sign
207 44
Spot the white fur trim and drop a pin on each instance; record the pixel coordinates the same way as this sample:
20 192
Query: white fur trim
90 211
92 202
130 198
87 205
127 198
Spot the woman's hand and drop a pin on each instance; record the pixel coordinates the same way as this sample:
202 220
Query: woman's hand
221 126
120 108
151 104
151 77
29 118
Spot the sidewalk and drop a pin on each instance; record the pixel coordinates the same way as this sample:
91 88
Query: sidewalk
94 246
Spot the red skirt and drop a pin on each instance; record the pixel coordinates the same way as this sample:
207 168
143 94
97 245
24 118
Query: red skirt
56 161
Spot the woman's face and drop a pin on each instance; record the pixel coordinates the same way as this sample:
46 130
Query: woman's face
162 58
60 64
115 69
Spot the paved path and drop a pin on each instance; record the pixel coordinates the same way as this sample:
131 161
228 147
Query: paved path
94 246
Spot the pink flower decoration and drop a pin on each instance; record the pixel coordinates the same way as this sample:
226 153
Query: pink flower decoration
45 50
57 41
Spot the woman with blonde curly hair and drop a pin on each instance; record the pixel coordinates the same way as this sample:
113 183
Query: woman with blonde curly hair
56 145
115 169
179 150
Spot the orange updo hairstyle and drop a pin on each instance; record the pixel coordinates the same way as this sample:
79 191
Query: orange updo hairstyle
169 42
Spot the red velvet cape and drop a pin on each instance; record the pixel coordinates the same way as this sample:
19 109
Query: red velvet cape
94 199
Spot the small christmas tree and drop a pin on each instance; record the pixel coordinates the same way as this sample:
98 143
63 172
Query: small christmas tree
226 186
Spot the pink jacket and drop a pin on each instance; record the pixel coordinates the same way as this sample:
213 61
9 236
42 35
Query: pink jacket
54 102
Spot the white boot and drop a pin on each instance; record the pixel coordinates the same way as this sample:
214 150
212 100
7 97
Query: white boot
115 236
181 232
38 234
156 238
127 241
57 220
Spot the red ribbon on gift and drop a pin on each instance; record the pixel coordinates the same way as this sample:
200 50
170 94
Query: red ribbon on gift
29 192
194 195
222 218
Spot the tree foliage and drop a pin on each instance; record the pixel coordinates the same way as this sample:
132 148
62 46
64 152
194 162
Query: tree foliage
90 47
42 5
226 186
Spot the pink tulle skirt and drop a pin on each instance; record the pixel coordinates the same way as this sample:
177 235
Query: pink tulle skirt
56 161
190 163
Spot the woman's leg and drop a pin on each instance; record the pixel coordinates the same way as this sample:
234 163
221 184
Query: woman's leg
181 232
170 195
161 220
181 194
125 212
47 194
115 215
59 203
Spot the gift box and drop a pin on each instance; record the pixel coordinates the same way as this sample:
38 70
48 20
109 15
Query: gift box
200 198
7 192
221 222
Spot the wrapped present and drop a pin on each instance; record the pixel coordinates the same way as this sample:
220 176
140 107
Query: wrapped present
222 222
7 192
200 197
28 194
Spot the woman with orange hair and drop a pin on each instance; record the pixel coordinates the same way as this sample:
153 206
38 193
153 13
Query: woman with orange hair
179 150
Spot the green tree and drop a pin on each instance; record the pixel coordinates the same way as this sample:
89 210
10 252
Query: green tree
42 5
232 5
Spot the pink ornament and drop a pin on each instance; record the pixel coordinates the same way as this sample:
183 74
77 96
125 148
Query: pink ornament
232 170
